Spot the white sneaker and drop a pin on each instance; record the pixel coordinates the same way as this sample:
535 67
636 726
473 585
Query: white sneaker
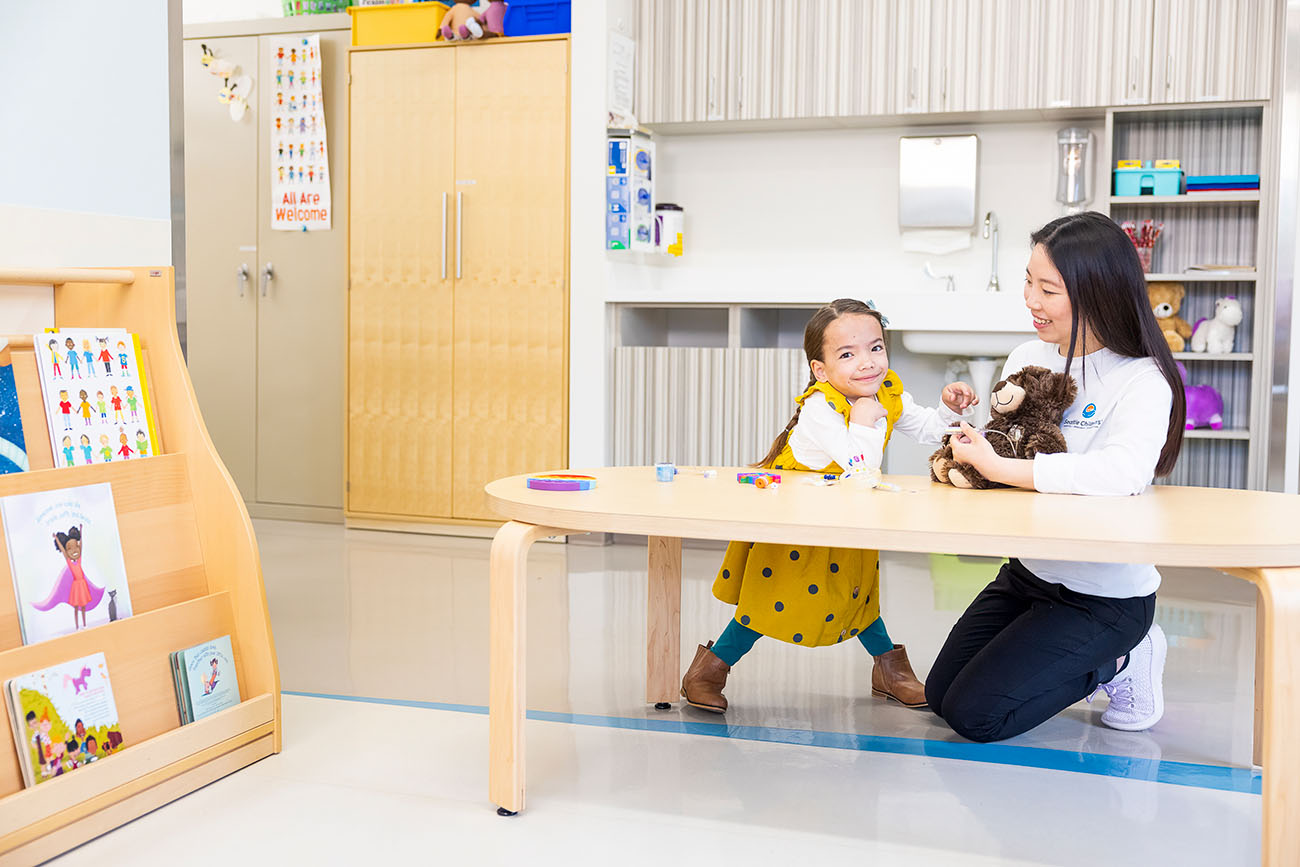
1137 695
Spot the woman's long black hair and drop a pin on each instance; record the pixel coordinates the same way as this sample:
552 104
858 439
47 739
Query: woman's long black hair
1108 297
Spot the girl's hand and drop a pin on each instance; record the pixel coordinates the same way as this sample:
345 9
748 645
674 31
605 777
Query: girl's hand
958 395
866 411
970 447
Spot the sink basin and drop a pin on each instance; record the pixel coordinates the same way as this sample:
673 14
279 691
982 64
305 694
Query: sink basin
969 344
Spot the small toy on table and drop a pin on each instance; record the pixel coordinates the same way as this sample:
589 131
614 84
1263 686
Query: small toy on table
665 471
561 482
759 479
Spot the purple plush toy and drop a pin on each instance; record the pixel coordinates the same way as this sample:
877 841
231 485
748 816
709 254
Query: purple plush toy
1204 404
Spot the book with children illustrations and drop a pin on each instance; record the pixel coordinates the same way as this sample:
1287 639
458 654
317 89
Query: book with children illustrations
95 394
63 717
205 679
66 560
13 449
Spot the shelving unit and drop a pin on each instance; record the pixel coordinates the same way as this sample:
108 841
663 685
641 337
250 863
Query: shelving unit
1227 228
192 562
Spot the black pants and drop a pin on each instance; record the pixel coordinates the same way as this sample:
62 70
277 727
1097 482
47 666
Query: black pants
1026 649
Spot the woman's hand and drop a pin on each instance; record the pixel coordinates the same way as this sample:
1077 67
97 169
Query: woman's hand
866 411
970 447
957 396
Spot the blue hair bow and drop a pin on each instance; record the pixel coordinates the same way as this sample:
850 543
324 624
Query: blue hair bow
884 320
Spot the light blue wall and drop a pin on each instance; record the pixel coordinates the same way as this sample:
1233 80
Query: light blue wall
84 112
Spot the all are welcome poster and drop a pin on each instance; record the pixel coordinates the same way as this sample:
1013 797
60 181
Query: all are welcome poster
300 184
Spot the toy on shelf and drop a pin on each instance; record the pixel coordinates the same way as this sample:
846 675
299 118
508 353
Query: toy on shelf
468 19
1144 236
1204 404
1166 300
1026 421
1218 334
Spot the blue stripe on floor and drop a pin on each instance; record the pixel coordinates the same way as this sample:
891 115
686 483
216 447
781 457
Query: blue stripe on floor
1244 780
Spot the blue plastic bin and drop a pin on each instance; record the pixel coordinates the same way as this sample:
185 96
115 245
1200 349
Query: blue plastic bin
1148 182
536 17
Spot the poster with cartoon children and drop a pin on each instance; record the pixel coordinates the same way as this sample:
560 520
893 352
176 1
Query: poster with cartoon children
66 560
300 188
68 716
100 409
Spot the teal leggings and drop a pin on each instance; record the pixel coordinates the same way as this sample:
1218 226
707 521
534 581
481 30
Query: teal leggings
736 640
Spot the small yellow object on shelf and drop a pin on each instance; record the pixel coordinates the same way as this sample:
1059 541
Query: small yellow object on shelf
1128 164
1168 164
398 24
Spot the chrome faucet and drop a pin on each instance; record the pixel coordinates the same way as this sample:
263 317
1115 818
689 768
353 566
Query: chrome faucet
948 278
991 227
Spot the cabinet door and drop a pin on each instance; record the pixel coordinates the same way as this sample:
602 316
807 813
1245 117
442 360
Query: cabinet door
751 59
1011 54
511 290
1212 50
667 37
1094 52
912 74
300 316
868 57
399 301
221 179
955 55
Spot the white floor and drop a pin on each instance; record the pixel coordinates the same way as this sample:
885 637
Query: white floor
806 765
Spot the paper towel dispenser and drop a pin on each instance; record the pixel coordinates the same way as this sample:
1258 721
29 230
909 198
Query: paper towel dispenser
936 181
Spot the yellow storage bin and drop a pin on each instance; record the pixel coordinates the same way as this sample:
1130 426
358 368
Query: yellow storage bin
396 25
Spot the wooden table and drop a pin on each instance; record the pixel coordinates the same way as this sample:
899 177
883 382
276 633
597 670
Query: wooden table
1251 535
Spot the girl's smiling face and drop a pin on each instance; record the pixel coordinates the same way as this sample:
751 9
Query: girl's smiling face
854 359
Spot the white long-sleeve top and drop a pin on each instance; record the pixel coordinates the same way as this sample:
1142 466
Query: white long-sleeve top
1114 432
821 437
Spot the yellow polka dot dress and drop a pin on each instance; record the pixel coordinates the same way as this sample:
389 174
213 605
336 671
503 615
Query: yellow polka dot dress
801 593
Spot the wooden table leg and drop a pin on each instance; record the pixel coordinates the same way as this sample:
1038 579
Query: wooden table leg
507 639
1279 595
663 626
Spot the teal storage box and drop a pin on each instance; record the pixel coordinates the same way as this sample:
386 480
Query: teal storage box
1147 181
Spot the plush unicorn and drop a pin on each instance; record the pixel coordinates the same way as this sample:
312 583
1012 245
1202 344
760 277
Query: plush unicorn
1216 335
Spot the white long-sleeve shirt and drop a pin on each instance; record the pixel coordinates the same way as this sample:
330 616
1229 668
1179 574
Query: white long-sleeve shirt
1114 432
821 438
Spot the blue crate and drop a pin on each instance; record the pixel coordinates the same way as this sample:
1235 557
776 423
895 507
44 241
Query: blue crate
1148 182
536 17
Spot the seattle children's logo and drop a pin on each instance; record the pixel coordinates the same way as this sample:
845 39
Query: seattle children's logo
1090 410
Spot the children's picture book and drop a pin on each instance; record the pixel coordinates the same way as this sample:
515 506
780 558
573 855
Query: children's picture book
96 397
66 559
13 448
63 717
205 679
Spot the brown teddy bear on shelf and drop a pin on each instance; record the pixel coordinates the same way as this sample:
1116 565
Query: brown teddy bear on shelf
1027 408
1166 300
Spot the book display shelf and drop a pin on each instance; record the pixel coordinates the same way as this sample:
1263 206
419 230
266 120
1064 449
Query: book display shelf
194 571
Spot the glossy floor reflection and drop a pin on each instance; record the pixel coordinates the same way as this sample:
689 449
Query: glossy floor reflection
806 765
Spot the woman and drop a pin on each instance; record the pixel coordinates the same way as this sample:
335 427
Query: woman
1047 633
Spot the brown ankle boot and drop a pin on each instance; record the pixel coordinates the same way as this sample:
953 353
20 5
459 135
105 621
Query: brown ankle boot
892 677
704 680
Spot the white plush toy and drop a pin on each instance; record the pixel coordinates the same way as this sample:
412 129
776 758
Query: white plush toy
1216 335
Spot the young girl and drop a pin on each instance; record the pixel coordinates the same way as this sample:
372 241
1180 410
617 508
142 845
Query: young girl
818 596
1047 633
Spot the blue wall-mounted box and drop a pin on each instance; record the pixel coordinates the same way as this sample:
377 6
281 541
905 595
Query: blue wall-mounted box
1147 181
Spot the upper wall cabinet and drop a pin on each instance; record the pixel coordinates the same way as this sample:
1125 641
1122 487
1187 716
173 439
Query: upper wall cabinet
1095 52
1212 50
728 60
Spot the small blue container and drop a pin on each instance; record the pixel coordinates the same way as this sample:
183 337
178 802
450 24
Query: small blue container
665 472
537 17
1147 181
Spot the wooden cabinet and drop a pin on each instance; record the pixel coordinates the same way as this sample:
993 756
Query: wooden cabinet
265 354
457 312
1212 50
1095 52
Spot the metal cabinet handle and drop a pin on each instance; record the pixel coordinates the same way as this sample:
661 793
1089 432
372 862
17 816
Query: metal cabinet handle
268 274
1133 73
242 273
1169 78
460 234
444 236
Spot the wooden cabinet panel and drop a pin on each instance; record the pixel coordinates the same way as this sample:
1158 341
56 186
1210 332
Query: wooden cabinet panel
511 310
1212 50
400 298
300 324
1095 52
221 183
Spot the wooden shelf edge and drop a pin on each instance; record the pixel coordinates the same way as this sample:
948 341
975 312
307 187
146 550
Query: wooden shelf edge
1188 199
1214 356
1208 434
1205 277
54 478
23 814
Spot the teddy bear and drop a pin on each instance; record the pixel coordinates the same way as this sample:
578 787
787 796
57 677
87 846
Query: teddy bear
473 19
1027 408
1166 300
1218 333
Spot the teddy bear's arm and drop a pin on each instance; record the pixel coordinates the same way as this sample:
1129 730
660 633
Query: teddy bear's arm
1180 325
1045 442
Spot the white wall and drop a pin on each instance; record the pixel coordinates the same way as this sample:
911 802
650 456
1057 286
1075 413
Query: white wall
85 149
203 11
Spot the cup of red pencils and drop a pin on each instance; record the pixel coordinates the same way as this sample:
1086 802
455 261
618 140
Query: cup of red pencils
1144 235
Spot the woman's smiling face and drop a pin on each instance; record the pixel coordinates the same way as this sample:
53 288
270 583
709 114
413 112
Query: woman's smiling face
1047 299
